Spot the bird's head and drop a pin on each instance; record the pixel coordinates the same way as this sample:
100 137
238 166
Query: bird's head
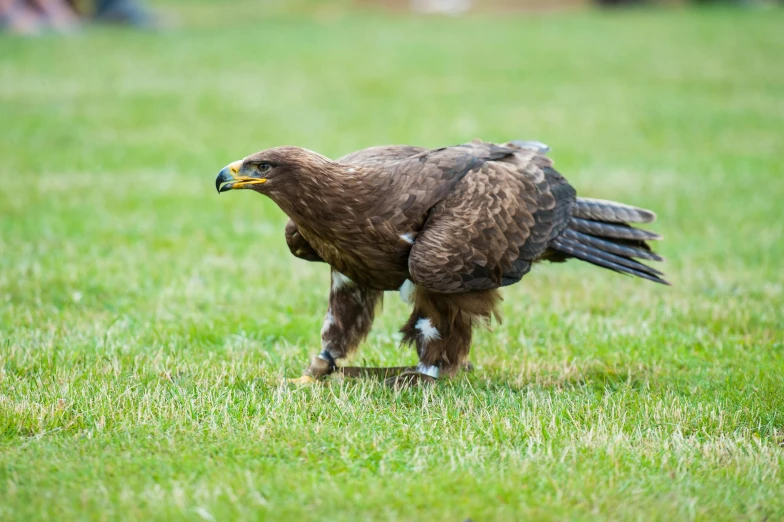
270 169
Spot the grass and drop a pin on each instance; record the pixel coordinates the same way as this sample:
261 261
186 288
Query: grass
146 323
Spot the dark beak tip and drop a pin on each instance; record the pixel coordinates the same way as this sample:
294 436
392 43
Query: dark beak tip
224 176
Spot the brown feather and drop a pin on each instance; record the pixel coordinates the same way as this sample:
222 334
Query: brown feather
459 222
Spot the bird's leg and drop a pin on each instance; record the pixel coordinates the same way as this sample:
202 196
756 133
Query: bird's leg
442 336
440 326
349 318
442 347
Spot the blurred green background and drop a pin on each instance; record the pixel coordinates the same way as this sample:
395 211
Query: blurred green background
146 323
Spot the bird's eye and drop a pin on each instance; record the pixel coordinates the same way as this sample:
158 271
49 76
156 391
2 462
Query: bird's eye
264 167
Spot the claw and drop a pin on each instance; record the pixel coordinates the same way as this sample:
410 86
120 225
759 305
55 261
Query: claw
305 379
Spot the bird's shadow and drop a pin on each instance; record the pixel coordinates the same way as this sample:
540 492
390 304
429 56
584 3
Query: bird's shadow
591 375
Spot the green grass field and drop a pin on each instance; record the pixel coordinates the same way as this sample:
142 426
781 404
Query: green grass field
146 323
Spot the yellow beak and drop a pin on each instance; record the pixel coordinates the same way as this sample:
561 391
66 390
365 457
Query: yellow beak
229 178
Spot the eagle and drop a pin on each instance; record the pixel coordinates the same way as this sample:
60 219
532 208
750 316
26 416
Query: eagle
445 227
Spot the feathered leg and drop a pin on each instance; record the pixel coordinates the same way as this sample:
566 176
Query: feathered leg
440 327
348 321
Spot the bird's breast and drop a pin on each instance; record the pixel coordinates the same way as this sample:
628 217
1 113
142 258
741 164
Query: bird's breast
369 258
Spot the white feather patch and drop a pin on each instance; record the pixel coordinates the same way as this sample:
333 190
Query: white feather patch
329 320
428 331
408 237
538 146
432 371
339 281
407 291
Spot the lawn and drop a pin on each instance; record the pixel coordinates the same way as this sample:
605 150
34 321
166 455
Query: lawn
146 323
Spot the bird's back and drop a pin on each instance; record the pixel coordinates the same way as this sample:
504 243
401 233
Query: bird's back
469 217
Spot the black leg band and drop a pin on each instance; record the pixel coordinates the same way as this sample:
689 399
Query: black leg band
325 355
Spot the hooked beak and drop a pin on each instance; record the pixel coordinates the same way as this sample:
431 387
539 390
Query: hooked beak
229 178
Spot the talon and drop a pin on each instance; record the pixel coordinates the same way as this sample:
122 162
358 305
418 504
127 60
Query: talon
305 379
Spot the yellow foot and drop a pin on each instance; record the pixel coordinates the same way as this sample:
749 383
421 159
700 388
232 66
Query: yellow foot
305 379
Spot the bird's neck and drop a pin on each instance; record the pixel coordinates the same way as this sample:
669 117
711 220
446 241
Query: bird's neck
334 195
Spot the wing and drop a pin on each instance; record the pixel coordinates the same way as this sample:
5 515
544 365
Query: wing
414 185
298 245
493 225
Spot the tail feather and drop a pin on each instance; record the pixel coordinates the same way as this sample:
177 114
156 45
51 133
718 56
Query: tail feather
609 246
600 233
591 258
619 231
607 256
611 211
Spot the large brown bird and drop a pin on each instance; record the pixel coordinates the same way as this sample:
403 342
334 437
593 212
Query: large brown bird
446 227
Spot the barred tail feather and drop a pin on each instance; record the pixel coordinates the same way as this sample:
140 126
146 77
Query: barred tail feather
611 211
613 248
599 233
619 231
